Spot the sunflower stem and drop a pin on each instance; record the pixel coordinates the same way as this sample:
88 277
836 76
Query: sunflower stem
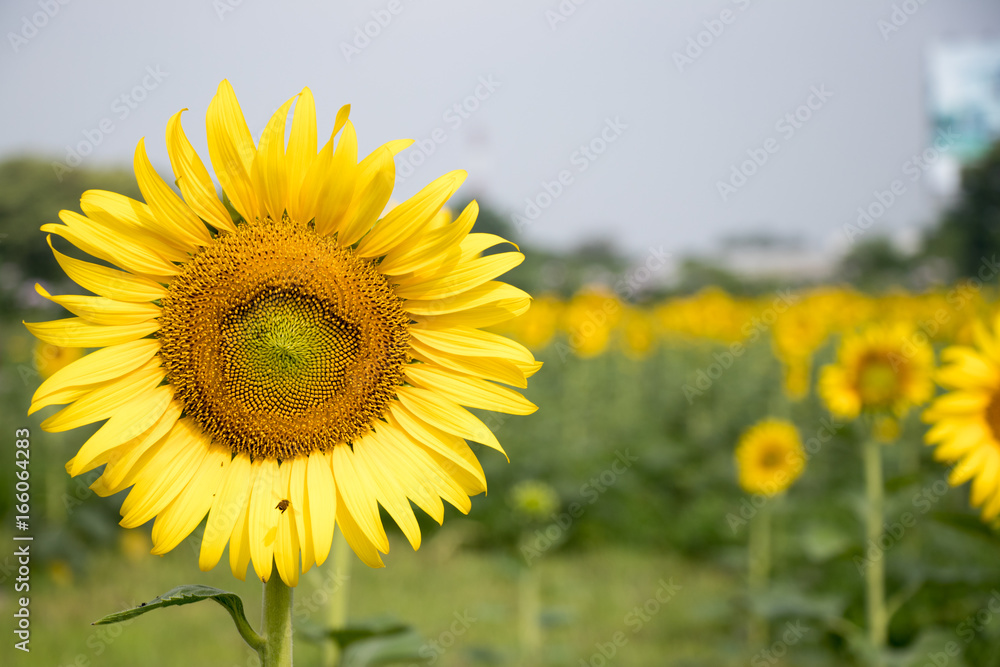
277 623
759 570
336 610
529 605
878 619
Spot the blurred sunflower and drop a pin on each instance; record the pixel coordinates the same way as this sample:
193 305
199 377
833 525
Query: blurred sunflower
589 318
537 327
637 333
966 420
292 369
769 457
51 358
797 376
882 369
533 500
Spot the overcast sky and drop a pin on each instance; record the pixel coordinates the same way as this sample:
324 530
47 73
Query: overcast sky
672 128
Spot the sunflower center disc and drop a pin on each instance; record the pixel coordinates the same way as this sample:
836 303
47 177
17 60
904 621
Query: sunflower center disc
993 415
772 457
279 343
878 381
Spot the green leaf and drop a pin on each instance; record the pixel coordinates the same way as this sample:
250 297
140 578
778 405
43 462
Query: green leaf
398 648
967 523
190 594
344 637
358 631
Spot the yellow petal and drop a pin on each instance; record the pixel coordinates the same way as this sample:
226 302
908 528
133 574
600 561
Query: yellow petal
474 244
77 332
108 282
99 366
968 467
231 149
394 147
376 473
239 544
174 216
342 115
191 505
193 178
471 391
116 248
268 172
405 455
228 505
486 315
159 482
410 217
355 537
301 150
966 367
468 342
334 177
286 547
104 401
496 370
132 420
100 310
358 498
492 292
303 513
263 516
425 497
321 498
430 247
134 220
371 194
458 278
960 403
127 461
447 445
446 415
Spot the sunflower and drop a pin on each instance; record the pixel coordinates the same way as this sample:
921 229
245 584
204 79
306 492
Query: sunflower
769 457
637 334
49 358
291 365
533 500
883 370
966 419
537 327
588 319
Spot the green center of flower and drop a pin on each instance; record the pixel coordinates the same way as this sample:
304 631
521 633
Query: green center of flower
286 353
278 342
878 382
993 415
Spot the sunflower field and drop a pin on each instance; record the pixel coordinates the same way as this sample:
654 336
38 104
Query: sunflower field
803 477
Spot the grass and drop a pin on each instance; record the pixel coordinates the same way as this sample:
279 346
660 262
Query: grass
587 598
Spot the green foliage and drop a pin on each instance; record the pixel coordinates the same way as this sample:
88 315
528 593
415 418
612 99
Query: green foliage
189 594
970 231
876 265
